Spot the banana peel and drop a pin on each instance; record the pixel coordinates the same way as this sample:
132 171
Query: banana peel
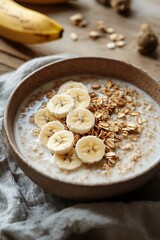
23 25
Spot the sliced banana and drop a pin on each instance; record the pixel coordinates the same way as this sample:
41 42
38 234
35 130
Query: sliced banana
48 130
43 116
80 96
90 149
61 142
60 105
80 120
71 85
68 161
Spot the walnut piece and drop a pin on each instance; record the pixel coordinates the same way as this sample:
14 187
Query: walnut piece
147 41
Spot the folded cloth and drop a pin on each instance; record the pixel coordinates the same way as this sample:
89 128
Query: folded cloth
27 212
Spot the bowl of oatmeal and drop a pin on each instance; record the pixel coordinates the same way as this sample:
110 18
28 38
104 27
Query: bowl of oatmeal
86 128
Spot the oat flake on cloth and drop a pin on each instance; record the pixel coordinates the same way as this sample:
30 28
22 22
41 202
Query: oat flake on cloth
27 212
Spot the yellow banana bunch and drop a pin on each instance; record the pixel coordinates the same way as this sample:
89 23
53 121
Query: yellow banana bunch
23 25
43 2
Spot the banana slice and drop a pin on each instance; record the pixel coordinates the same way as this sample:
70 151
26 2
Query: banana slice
68 161
71 85
80 120
48 130
80 96
42 117
60 105
90 149
61 142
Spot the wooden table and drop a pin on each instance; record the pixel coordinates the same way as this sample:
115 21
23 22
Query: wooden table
12 55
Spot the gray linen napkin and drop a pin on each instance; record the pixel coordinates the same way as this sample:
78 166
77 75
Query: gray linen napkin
27 212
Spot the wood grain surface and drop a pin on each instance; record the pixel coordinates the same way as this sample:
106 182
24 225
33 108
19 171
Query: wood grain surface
12 55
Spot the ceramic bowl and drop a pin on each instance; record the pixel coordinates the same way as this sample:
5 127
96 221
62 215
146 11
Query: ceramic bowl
99 66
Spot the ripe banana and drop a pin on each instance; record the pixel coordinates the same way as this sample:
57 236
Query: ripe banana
61 142
43 2
48 130
60 105
90 149
26 26
68 161
80 96
42 117
71 85
80 120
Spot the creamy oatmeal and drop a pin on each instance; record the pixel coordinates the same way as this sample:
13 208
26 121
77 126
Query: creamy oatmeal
97 132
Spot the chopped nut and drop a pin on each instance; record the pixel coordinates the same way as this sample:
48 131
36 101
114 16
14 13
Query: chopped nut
76 18
83 23
120 43
73 36
110 30
113 36
102 28
94 35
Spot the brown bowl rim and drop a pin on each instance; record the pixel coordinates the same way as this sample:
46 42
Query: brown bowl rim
14 148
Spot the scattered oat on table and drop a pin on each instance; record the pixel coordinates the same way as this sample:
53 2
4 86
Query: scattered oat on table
110 30
78 20
94 35
117 39
120 43
101 26
73 36
111 45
